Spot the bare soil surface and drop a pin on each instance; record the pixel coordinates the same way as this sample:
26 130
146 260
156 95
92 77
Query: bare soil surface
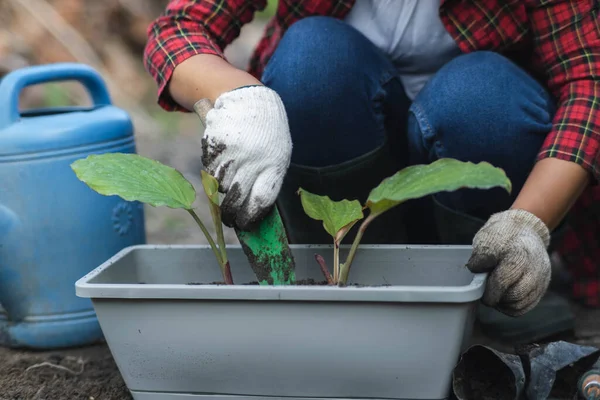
89 373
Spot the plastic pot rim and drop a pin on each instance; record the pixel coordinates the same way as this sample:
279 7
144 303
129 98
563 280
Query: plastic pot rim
468 293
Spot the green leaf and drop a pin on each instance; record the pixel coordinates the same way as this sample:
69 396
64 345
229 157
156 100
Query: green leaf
211 187
135 178
445 174
336 215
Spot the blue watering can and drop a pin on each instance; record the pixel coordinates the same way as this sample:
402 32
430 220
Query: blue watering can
53 228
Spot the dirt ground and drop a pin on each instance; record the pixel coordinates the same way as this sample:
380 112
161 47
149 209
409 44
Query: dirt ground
89 373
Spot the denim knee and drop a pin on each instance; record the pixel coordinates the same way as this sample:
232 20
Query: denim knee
482 107
317 54
330 80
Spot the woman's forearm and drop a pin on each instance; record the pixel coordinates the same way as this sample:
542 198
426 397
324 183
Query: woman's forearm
551 189
205 76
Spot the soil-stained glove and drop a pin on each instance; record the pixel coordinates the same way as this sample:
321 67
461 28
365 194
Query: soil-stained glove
247 147
512 247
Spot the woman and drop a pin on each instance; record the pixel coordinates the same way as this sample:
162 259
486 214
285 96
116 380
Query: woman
364 88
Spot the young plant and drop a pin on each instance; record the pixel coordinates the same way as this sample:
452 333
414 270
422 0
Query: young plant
410 183
211 189
136 178
338 218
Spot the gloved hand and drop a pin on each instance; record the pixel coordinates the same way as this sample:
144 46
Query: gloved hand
247 147
512 247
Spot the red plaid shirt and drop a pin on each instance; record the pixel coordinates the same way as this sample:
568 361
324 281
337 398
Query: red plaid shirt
558 41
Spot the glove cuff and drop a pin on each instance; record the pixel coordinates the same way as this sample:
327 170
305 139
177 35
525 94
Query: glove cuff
251 92
249 95
526 219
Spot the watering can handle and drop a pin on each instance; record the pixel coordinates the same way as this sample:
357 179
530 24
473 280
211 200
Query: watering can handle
13 83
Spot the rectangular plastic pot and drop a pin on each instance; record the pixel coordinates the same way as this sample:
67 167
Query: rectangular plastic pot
175 336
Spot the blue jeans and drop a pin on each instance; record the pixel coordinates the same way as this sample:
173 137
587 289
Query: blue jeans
344 99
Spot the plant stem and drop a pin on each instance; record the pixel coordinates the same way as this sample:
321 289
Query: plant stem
207 234
227 273
216 215
221 241
223 264
345 270
336 261
324 269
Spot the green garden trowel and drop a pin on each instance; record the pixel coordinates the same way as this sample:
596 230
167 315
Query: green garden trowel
266 245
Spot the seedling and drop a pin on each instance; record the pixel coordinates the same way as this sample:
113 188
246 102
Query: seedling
136 178
338 218
410 183
211 189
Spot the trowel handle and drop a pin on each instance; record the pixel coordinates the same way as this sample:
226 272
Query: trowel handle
14 82
202 107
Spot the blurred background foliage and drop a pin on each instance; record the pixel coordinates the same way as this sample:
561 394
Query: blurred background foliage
109 35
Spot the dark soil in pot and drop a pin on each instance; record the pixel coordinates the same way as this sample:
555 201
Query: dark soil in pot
301 282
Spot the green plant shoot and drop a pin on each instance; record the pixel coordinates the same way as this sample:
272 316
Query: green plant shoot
211 189
136 178
338 218
415 182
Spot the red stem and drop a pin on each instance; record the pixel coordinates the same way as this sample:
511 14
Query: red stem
324 269
227 274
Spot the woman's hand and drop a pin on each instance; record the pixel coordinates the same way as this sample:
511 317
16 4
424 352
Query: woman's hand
246 143
512 245
512 248
247 147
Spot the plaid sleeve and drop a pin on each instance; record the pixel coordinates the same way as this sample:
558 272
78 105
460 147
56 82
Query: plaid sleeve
567 42
190 27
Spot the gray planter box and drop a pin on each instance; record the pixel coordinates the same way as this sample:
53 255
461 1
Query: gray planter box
173 340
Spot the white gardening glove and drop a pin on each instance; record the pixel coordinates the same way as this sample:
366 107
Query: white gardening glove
512 247
247 147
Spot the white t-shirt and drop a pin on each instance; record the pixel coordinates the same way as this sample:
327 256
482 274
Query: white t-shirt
410 32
